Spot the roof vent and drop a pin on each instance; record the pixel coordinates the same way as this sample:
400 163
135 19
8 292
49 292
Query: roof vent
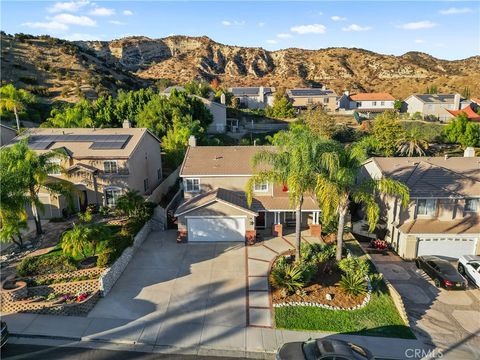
218 157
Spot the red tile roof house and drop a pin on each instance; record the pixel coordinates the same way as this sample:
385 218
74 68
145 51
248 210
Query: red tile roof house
367 102
215 206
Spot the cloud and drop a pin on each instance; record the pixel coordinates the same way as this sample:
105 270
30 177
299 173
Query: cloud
454 11
271 41
226 23
425 24
355 27
284 36
80 36
261 24
419 41
74 20
116 22
50 25
338 18
70 6
102 11
230 23
309 29
127 12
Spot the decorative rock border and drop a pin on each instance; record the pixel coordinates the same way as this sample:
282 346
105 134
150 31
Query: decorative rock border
330 307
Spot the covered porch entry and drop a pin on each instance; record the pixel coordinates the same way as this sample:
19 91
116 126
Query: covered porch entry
282 222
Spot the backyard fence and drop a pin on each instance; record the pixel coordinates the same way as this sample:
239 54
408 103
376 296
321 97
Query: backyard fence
164 187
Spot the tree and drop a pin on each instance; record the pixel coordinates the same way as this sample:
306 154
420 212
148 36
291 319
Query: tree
397 104
12 226
14 100
31 171
199 88
215 84
320 122
293 163
387 131
466 92
412 143
282 107
338 183
80 115
130 202
162 84
82 238
462 131
432 89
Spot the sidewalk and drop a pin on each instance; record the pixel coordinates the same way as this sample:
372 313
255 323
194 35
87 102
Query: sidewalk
208 339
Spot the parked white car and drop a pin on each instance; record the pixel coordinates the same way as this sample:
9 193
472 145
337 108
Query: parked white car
469 266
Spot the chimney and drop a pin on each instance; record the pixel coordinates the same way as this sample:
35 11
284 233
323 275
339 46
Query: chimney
347 93
469 152
223 99
456 102
261 93
192 141
126 124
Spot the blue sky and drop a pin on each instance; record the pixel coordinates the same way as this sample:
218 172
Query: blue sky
445 29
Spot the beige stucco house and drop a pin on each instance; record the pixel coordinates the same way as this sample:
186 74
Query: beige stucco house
253 97
443 217
366 102
215 206
434 105
303 98
101 163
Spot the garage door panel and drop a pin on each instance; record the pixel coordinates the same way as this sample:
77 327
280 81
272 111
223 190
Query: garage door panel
453 247
216 229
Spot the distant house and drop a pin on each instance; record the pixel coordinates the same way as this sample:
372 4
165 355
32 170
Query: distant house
367 102
434 105
7 134
303 98
253 97
468 111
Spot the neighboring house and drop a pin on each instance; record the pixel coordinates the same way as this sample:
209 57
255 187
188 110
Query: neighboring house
367 102
6 134
468 111
434 105
253 97
443 217
101 163
303 98
215 206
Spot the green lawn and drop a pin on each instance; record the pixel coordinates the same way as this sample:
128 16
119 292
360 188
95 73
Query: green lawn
378 318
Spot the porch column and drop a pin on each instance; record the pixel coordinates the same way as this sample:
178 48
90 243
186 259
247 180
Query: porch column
277 228
315 227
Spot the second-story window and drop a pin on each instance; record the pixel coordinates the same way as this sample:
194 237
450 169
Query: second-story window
262 187
110 167
472 205
426 207
192 185
55 170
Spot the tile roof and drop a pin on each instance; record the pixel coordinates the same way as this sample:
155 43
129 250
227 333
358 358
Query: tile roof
220 160
434 176
472 115
86 142
465 225
372 97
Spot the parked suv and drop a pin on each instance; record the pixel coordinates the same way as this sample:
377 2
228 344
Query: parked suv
469 266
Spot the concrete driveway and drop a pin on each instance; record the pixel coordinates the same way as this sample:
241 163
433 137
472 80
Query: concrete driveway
448 319
181 293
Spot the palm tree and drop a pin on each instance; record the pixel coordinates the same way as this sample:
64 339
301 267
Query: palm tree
31 171
339 182
12 226
14 100
130 202
412 143
294 163
81 238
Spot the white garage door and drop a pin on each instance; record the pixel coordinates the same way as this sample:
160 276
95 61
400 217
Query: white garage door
216 229
448 247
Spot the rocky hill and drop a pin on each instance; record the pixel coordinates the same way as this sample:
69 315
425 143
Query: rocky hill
136 61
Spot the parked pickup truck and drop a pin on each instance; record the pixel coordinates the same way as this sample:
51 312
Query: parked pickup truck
469 266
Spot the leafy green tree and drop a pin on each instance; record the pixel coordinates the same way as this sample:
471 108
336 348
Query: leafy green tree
466 92
12 226
387 131
397 104
80 115
432 89
293 163
81 239
462 131
413 143
162 84
282 108
14 100
338 182
129 202
199 88
320 122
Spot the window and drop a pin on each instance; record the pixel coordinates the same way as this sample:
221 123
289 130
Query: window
374 103
309 101
192 185
262 187
359 104
382 103
471 205
110 166
56 162
111 196
159 174
326 100
145 185
426 207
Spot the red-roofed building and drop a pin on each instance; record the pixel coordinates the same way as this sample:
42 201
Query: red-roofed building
467 110
367 102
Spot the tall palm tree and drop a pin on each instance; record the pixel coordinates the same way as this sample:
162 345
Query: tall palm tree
14 100
339 182
294 163
32 173
412 143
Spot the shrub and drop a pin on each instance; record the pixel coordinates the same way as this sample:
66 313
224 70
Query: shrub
308 271
354 265
39 265
376 281
103 259
353 284
287 277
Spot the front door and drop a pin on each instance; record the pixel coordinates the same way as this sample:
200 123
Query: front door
260 220
83 200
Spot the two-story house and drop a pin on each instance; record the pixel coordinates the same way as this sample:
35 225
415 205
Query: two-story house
443 217
366 102
434 105
253 97
215 206
303 98
101 163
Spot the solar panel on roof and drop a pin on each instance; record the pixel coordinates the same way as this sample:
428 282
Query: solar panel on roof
41 145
